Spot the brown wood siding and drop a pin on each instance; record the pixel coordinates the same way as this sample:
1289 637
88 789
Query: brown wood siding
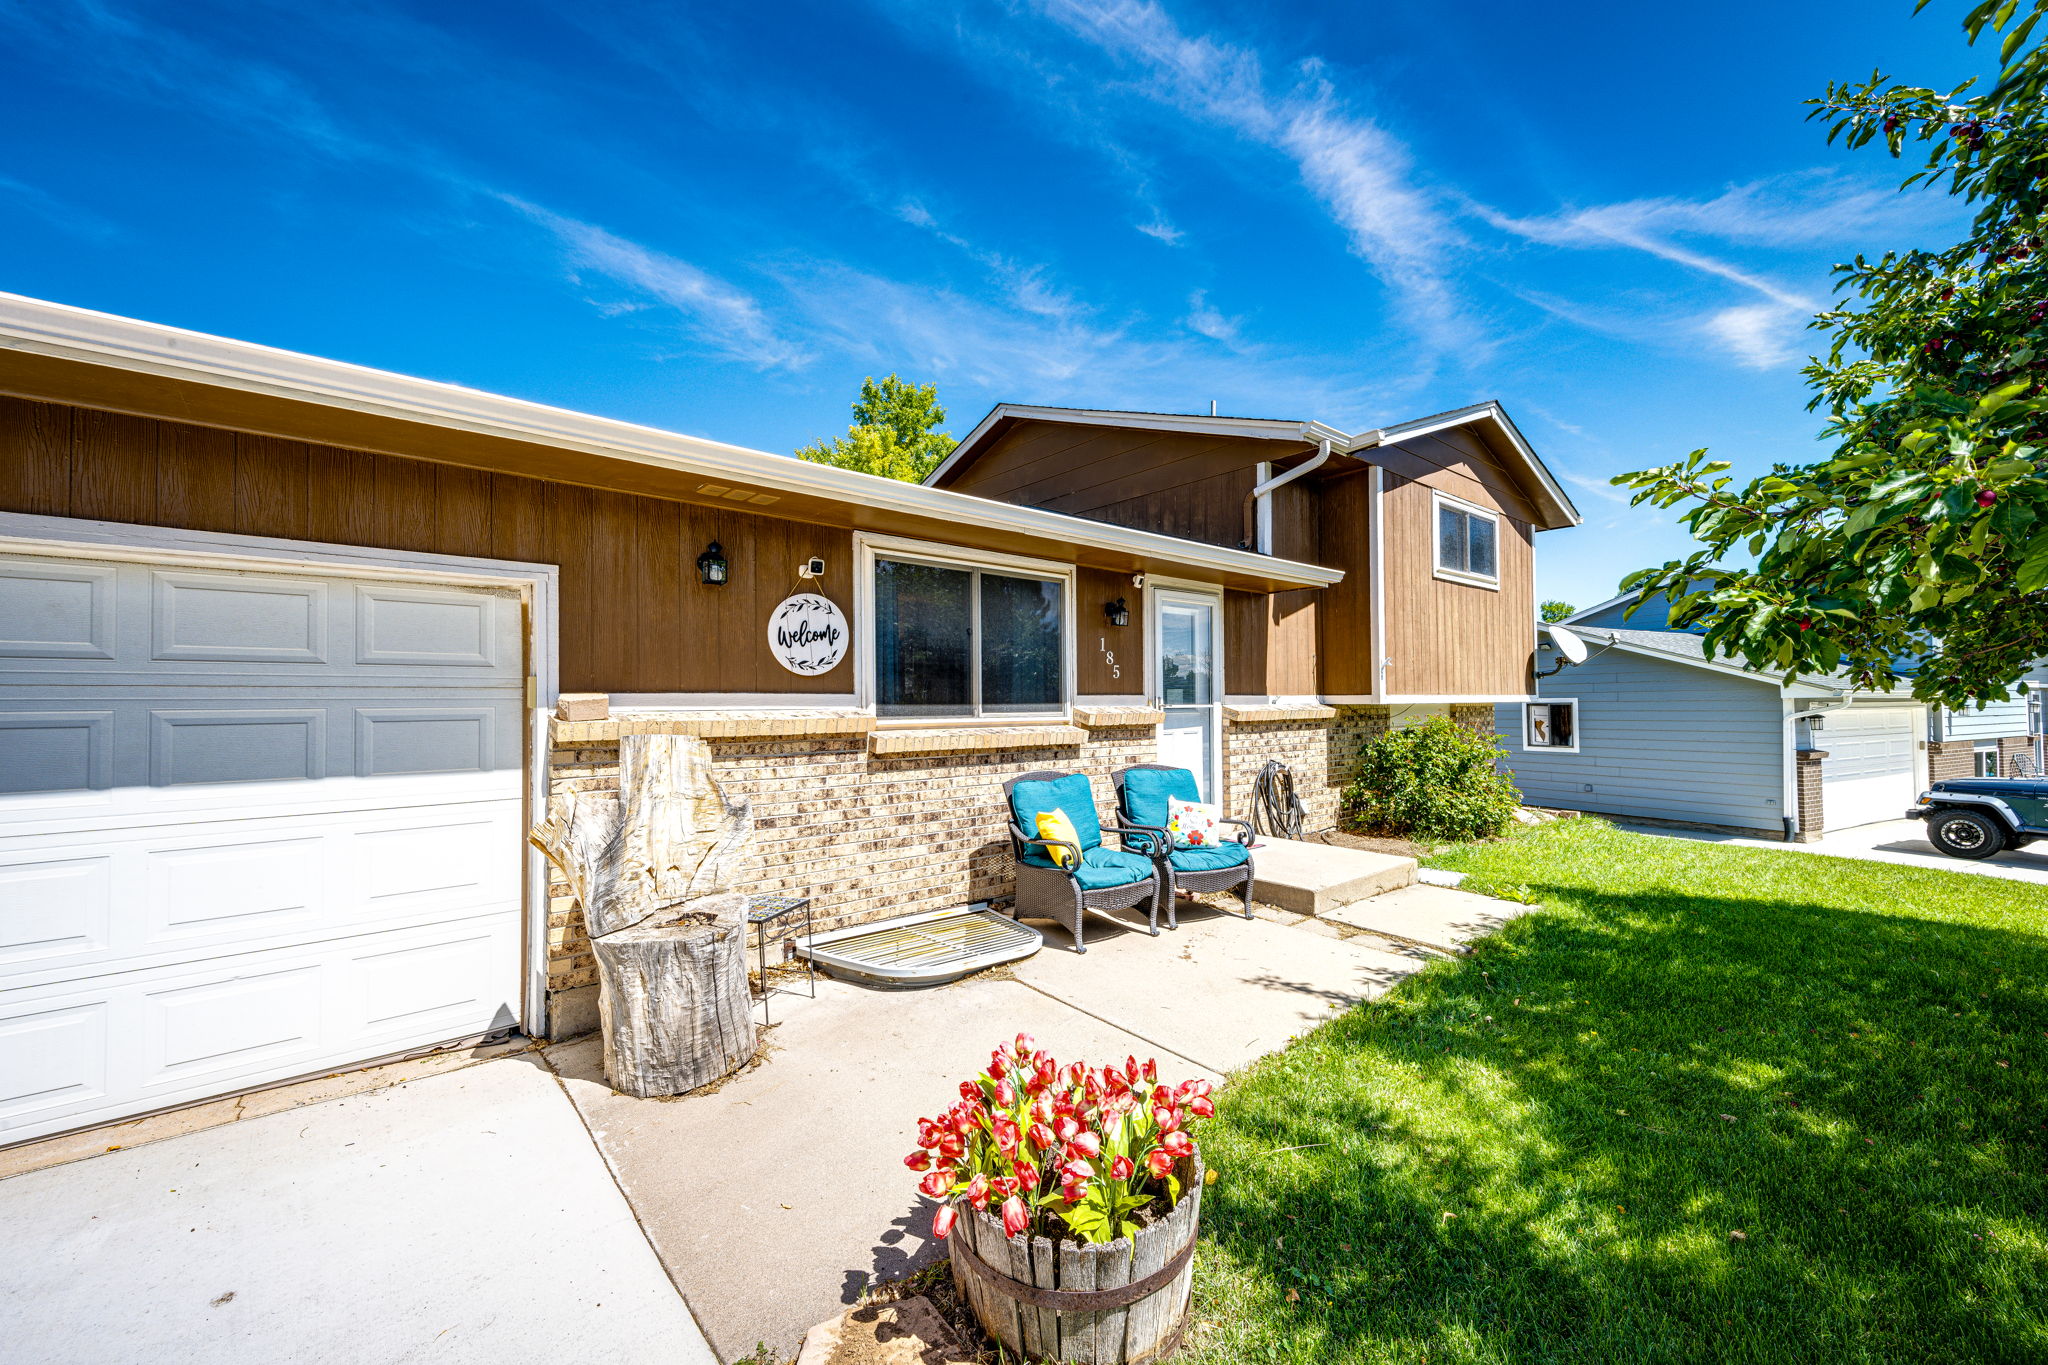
1454 639
1344 513
1458 462
1191 486
634 618
1097 641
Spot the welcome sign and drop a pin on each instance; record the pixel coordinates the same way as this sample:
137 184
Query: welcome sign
807 634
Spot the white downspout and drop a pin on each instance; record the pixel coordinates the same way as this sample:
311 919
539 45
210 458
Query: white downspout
1261 492
1375 570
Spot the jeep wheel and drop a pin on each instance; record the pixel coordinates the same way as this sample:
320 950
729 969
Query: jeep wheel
1966 834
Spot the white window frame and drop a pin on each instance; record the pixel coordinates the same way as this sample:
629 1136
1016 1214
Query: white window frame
1977 755
868 549
1438 501
1572 748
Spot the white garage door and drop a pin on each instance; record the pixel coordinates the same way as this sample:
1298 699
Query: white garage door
252 825
1868 773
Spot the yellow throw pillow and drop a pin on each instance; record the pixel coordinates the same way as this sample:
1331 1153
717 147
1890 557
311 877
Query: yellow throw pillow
1054 824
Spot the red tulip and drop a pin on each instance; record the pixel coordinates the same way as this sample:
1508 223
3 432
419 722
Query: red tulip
1006 1095
951 1148
1131 1070
1159 1161
1042 1137
919 1160
1041 1109
942 1221
1180 1144
1005 1186
1006 1134
1015 1219
1121 1168
1026 1044
1076 1073
1166 1118
1202 1107
1027 1175
969 1091
1151 1070
935 1184
1087 1144
996 1066
977 1191
1065 1127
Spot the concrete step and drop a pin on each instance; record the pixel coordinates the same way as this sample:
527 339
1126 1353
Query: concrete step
1433 916
1314 879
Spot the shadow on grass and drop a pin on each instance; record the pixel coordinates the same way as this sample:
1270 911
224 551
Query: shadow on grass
1542 1152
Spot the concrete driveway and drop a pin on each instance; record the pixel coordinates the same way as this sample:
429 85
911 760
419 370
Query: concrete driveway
1889 841
465 1217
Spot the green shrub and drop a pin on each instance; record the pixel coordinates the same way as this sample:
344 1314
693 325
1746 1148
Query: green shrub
1436 780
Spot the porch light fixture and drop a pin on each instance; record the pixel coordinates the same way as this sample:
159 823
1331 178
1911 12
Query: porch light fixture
1116 613
711 566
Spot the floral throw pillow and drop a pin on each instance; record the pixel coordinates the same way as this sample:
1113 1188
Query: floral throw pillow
1193 824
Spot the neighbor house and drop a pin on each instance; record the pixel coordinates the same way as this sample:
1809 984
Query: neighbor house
1433 523
292 652
1649 727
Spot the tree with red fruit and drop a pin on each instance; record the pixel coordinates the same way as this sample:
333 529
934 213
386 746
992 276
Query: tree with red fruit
1924 537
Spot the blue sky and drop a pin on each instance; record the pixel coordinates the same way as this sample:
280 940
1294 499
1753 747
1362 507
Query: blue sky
718 217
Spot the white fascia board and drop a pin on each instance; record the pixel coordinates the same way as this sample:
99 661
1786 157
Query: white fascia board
58 330
1493 414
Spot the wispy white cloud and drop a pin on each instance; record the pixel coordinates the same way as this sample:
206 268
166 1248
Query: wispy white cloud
1364 176
60 213
1210 321
720 315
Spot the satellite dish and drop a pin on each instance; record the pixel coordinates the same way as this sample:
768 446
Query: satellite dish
1569 646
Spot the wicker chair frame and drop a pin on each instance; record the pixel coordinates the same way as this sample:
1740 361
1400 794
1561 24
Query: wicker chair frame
1172 880
1055 893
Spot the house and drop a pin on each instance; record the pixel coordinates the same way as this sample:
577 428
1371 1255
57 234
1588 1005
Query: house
1432 523
292 652
1649 727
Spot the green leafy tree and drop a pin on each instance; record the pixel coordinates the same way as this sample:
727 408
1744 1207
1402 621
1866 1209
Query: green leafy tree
1924 536
1556 611
894 433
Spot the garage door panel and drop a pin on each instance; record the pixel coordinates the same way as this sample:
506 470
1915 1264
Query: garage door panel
422 626
56 751
244 744
52 1062
252 826
237 618
56 611
54 910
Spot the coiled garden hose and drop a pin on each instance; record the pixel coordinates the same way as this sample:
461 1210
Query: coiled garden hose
1276 810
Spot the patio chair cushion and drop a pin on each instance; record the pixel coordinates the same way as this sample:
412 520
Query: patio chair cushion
1070 794
1101 867
1147 790
1209 858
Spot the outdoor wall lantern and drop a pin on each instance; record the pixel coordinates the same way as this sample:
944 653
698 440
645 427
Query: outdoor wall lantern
1116 612
711 566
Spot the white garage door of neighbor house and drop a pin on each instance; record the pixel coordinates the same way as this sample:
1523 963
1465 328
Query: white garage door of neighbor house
1867 775
252 825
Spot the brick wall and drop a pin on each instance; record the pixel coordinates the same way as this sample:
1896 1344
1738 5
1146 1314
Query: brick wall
1320 753
1812 815
2013 747
1951 759
867 836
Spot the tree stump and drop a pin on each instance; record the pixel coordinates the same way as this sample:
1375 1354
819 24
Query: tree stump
674 1000
651 864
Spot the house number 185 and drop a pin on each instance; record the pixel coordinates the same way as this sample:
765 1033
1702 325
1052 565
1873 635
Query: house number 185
1108 657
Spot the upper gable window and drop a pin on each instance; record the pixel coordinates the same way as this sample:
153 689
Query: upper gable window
1467 542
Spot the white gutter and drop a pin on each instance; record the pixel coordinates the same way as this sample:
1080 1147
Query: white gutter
1376 585
38 327
1263 542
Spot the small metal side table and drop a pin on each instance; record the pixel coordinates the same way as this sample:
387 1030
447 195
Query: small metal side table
763 911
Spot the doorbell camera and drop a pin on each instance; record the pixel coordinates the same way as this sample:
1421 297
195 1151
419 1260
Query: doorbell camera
813 567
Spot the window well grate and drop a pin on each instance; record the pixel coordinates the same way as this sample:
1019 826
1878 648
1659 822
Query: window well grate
922 950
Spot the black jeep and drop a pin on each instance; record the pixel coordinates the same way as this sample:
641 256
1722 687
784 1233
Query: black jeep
1975 817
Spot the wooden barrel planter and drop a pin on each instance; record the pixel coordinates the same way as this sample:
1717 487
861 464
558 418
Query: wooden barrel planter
1119 1303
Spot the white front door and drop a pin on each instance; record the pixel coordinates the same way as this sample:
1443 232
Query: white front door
1184 652
1867 775
252 825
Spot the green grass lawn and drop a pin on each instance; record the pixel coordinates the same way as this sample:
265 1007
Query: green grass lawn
1541 1152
